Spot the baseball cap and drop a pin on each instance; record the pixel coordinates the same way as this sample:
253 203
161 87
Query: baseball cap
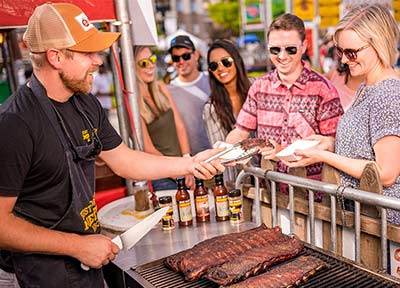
64 26
181 41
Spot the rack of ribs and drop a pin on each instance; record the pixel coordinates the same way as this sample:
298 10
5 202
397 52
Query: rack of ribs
218 250
173 261
285 275
254 261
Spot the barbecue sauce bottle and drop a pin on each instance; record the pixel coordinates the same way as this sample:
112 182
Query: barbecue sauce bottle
221 199
201 202
182 197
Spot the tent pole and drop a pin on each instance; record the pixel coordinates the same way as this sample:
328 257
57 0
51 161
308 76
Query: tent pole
128 67
123 120
129 72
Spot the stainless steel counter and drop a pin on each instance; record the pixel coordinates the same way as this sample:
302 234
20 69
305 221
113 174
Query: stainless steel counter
158 244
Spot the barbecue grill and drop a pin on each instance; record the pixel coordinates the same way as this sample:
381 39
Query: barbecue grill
341 273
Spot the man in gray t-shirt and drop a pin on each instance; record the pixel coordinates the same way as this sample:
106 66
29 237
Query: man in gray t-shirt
190 91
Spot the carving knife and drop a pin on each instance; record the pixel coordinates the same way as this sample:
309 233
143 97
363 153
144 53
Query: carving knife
130 237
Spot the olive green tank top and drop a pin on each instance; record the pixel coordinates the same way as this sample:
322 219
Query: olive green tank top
163 134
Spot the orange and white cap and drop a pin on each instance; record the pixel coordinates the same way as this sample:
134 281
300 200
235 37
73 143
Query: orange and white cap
64 26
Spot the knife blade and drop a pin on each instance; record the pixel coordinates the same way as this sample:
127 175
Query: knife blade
130 237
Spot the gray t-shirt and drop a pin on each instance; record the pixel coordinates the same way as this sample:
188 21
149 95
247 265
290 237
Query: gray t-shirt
190 98
374 114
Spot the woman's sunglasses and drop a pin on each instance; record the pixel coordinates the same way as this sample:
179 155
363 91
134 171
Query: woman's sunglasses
185 56
227 62
290 49
350 54
144 63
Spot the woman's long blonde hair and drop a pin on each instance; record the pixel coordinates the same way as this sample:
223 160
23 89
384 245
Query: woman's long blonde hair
375 25
159 98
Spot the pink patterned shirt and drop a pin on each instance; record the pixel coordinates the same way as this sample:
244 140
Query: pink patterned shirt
310 106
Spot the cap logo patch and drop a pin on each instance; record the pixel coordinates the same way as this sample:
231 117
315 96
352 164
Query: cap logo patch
84 22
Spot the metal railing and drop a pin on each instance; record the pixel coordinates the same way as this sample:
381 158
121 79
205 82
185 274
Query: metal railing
381 202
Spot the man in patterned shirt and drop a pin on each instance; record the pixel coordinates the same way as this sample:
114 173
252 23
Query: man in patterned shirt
292 101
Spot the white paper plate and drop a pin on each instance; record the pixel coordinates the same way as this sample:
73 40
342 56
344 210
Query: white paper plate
287 154
119 215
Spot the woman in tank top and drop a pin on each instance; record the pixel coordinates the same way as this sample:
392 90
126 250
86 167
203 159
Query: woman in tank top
163 130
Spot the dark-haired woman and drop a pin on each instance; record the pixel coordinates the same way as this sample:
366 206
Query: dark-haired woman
229 85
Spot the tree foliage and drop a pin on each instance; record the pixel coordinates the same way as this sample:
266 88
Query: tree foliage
226 14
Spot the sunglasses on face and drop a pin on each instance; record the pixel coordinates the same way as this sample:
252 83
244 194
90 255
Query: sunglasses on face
144 63
185 56
227 62
290 49
350 54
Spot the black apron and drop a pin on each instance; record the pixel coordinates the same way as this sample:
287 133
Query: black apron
42 270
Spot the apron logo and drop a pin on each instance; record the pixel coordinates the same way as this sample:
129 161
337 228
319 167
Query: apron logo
89 216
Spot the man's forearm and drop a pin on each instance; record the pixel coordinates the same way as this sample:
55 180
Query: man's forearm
20 235
236 135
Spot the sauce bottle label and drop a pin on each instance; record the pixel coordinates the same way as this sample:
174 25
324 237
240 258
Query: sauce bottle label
235 205
202 206
222 205
185 210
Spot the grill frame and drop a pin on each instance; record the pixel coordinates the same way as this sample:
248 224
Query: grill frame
341 273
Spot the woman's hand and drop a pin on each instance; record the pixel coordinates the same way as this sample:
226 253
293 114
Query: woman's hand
308 157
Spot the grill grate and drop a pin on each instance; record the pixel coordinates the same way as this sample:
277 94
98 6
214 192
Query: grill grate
339 274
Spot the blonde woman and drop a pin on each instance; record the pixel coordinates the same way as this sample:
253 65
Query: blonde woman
366 40
163 130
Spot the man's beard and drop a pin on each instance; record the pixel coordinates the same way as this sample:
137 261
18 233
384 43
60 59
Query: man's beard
77 85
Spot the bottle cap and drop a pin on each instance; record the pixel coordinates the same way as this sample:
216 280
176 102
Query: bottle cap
234 193
219 179
165 199
198 181
180 182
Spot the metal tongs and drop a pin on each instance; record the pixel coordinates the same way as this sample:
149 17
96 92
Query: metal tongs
247 148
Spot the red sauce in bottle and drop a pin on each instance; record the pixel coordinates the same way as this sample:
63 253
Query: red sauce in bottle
201 202
221 199
182 197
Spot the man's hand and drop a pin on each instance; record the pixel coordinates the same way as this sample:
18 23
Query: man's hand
325 142
270 152
189 182
203 170
95 250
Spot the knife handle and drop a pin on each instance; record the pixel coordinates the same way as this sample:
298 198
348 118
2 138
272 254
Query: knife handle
116 240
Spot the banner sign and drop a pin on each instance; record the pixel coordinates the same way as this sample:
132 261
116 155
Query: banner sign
15 13
253 14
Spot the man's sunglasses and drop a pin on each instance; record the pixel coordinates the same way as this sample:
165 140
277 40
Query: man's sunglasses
290 49
185 56
144 63
227 62
350 54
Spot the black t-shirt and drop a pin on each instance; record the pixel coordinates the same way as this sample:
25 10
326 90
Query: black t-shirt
32 160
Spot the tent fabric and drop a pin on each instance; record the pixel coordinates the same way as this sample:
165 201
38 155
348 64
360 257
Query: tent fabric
14 14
